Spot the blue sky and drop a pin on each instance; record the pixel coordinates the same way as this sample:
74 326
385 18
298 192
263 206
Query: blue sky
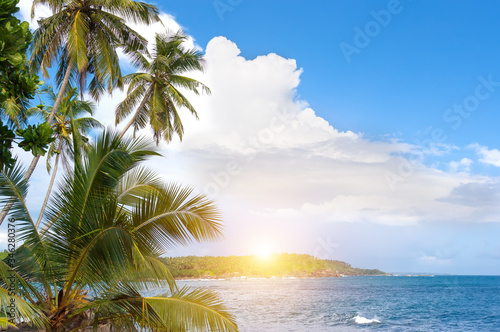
426 59
403 84
385 157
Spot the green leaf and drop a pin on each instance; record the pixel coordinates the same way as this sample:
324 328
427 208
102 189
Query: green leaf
6 138
36 138
15 59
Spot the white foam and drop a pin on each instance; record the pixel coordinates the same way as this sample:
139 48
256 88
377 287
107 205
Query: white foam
362 320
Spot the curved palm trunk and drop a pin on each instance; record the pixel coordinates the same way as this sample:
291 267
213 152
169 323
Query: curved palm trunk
131 122
49 190
61 92
52 114
76 142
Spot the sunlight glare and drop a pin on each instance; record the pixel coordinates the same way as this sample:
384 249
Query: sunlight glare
264 252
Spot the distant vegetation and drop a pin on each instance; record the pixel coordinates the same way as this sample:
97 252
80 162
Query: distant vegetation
277 265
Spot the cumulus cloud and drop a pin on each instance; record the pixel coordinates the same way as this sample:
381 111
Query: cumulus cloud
475 194
463 165
256 142
253 108
25 11
280 172
487 156
167 23
354 208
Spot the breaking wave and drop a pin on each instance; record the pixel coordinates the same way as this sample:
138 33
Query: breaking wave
363 320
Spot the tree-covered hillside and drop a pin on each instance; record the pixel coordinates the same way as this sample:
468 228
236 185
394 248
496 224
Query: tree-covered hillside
277 265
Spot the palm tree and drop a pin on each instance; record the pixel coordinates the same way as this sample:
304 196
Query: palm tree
155 89
111 219
70 128
83 36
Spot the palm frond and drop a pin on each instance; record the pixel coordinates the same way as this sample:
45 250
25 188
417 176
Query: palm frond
197 309
136 184
174 216
21 310
183 310
108 159
21 280
156 88
85 124
129 103
138 12
13 190
189 84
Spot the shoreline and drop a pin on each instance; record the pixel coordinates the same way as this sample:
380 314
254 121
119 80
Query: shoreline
244 278
253 277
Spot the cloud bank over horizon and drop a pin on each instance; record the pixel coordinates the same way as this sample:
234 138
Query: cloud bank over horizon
278 146
285 177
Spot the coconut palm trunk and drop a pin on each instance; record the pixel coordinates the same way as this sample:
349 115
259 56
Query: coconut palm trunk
156 86
49 190
132 121
112 221
62 91
35 160
67 32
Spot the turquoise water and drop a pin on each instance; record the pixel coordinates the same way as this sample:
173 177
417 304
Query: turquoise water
440 303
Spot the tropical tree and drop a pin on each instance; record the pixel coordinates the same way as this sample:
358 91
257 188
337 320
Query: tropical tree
83 35
17 87
71 128
154 91
17 84
111 219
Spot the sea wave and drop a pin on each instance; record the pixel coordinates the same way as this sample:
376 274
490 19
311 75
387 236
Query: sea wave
363 320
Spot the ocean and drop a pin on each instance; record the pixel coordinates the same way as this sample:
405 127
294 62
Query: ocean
382 303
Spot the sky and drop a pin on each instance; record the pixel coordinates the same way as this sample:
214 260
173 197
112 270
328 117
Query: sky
360 131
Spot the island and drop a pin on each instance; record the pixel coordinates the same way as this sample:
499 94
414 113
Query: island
283 265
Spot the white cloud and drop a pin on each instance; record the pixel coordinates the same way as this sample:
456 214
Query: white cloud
287 159
25 11
3 238
167 23
487 156
353 208
433 260
290 162
280 171
463 165
253 109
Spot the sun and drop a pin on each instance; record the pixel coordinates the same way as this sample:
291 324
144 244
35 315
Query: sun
264 252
